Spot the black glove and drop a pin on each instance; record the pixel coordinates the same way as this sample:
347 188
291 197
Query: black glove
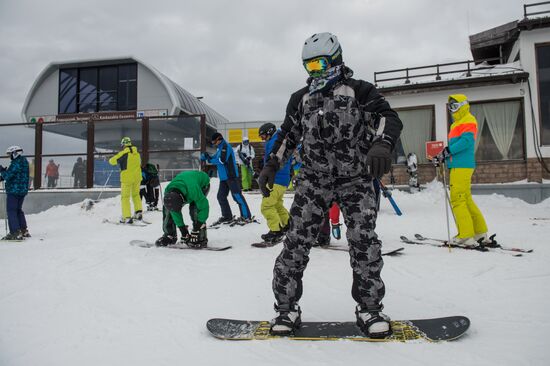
267 176
247 161
184 234
2 168
379 159
440 158
197 238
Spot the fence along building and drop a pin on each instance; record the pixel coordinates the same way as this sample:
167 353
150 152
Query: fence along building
508 86
82 109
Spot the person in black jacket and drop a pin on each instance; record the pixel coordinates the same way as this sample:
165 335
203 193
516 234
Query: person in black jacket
347 131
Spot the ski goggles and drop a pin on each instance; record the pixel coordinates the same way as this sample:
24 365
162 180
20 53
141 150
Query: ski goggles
317 65
455 106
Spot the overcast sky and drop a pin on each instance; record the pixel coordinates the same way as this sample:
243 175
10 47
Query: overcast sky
243 57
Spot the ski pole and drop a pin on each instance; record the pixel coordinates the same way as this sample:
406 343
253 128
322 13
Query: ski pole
387 194
104 186
5 207
440 171
160 186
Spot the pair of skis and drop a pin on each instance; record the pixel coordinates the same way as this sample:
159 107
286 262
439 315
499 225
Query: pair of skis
421 240
342 248
234 222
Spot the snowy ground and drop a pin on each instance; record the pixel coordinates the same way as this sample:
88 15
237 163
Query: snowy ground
78 294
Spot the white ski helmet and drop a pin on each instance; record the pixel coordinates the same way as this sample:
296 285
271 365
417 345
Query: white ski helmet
14 151
321 44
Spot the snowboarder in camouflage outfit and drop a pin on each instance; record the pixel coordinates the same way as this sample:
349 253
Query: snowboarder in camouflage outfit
348 132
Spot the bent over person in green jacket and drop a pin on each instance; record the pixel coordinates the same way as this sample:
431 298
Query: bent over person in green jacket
189 187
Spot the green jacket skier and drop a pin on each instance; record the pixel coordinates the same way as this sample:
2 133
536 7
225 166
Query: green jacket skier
189 187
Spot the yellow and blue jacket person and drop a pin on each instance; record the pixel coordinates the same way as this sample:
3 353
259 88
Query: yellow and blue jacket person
460 159
129 162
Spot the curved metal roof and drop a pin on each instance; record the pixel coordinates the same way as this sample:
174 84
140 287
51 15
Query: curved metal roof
182 100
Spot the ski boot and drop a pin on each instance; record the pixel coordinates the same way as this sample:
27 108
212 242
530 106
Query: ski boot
197 239
273 236
166 240
374 324
287 321
464 242
323 240
223 220
138 216
25 233
13 236
127 220
485 241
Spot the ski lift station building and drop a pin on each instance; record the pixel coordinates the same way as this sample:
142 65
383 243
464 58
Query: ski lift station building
82 109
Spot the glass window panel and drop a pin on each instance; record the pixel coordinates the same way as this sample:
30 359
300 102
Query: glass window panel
87 89
20 135
105 174
172 163
57 172
543 74
108 85
109 133
127 87
65 138
487 149
417 129
67 90
182 133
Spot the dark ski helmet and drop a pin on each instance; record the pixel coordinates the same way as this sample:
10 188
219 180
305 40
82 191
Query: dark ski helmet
267 129
173 201
215 137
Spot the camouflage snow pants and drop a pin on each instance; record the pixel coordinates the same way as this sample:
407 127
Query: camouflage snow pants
313 198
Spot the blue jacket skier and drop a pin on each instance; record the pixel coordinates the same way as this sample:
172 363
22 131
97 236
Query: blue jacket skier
224 159
16 178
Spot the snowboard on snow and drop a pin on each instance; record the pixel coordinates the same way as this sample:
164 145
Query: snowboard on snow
149 244
429 330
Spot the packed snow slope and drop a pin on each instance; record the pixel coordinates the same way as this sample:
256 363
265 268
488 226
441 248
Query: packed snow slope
77 293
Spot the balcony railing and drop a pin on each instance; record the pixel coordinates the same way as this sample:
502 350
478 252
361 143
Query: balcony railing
527 14
432 72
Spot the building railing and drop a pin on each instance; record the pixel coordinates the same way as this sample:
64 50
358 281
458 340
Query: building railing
535 5
464 68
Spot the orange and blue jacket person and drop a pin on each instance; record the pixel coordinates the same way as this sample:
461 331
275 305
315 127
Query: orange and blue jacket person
459 157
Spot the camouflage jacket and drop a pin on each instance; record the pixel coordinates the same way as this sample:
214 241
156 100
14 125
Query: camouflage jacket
337 127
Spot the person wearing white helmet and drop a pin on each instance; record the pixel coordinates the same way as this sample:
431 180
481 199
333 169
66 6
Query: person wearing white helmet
16 178
347 131
244 155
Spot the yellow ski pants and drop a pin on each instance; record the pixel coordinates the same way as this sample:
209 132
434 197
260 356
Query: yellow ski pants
127 191
469 219
273 209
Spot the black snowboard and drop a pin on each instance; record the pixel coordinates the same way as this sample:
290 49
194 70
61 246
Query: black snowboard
429 330
148 244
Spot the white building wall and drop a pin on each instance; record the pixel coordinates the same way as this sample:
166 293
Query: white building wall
527 42
44 100
151 93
